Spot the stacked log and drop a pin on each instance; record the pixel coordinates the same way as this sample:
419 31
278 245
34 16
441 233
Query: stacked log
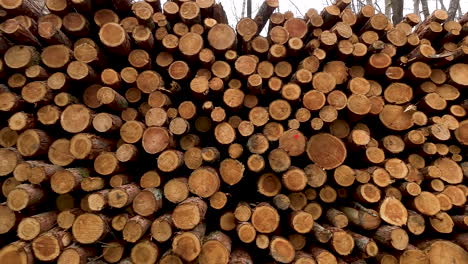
135 132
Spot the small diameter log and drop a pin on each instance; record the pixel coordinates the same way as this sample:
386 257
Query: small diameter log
269 185
35 171
36 92
265 218
215 249
392 236
337 218
111 99
64 181
342 242
189 213
135 228
76 118
294 179
23 196
126 153
162 228
31 227
106 163
59 152
282 250
75 254
113 252
119 221
170 160
144 251
365 218
246 232
123 195
65 219
88 146
155 139
115 38
187 245
147 202
48 246
302 222
323 255
365 244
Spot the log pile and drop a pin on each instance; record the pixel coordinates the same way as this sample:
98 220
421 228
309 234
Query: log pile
135 132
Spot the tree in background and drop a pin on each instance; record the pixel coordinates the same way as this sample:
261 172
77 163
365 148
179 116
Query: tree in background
416 7
425 8
388 8
397 8
452 10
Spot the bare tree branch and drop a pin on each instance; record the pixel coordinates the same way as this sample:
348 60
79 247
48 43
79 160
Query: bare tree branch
234 12
442 5
376 4
297 8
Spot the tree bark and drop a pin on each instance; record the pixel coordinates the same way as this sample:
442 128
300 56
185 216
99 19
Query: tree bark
452 10
425 8
397 7
388 7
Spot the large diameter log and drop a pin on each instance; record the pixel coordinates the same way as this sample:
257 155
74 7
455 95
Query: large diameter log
221 37
265 218
188 244
17 252
115 38
48 246
326 150
89 228
215 249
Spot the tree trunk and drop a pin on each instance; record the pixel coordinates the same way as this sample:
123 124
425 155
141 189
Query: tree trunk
416 7
388 8
452 11
425 8
397 8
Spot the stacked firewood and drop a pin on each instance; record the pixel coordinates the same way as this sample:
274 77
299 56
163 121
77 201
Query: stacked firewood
141 132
